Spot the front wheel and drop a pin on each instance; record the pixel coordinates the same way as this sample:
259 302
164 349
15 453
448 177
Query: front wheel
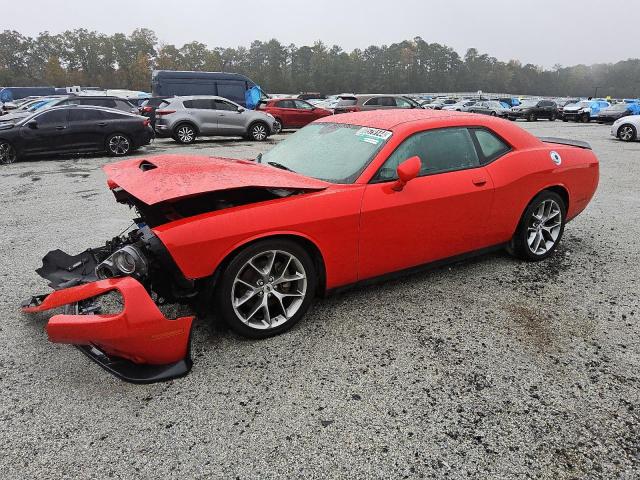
586 118
266 288
541 227
552 118
258 132
7 153
531 117
626 133
118 145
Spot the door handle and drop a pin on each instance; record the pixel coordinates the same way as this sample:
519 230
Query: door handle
102 124
60 127
479 181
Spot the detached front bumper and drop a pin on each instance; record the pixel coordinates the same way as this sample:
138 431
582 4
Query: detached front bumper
139 344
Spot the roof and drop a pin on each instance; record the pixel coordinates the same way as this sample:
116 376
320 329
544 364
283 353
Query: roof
387 119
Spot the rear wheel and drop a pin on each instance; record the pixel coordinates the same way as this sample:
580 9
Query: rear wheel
258 131
541 227
627 133
118 145
184 133
266 288
7 153
277 128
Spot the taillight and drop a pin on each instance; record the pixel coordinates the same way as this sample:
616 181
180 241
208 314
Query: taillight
146 122
164 112
147 109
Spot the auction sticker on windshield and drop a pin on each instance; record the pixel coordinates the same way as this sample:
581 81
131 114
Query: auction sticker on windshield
373 135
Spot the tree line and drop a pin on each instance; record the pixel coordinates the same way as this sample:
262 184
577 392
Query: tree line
89 58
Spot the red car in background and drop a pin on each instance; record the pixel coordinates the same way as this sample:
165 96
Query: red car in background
346 199
292 112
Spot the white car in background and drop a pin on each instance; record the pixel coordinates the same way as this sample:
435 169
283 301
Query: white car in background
626 128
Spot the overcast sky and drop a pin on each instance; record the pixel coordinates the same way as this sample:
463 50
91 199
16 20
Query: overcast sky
543 32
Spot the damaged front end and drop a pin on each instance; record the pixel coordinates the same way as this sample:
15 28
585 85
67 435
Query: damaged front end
139 343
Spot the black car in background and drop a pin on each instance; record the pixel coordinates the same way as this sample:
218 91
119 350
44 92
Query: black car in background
613 113
532 110
73 129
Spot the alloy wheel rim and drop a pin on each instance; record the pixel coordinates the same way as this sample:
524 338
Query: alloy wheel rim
259 132
7 154
277 127
269 289
544 227
626 133
185 134
119 144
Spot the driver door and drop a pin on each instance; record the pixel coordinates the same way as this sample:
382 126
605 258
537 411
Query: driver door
49 134
442 213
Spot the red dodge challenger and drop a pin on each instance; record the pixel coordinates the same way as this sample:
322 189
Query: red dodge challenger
346 199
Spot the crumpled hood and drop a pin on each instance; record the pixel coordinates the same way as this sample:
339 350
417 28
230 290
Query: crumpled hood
169 177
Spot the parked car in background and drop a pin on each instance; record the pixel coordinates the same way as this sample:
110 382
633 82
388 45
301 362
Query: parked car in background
311 96
148 108
186 118
377 102
489 107
583 111
73 129
292 112
563 103
626 128
532 110
614 112
439 103
510 101
461 106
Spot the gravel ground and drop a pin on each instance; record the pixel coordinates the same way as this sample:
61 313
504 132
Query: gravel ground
489 368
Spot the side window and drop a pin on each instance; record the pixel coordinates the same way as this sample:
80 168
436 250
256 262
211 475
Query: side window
84 115
232 91
285 104
386 102
490 145
55 117
222 105
372 101
122 105
303 105
441 150
402 103
199 103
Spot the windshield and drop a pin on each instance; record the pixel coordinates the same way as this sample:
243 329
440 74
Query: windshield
333 152
583 104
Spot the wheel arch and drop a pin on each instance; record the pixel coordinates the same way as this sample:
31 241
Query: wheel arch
304 241
558 189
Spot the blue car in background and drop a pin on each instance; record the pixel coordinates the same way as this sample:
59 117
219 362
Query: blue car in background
584 110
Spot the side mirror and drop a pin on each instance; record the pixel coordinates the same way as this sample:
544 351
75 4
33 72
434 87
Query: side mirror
407 171
241 109
32 124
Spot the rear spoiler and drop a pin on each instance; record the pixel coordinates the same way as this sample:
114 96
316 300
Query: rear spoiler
564 141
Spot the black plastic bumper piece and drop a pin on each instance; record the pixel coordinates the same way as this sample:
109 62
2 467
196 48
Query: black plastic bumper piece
137 373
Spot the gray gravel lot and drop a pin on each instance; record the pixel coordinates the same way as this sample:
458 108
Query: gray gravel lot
490 368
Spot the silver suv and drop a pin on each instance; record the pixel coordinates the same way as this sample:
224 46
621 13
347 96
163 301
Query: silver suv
185 118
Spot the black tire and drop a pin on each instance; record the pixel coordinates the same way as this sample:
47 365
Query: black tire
585 118
532 117
565 119
493 114
279 126
553 117
258 131
627 132
118 145
8 154
520 243
185 133
267 291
